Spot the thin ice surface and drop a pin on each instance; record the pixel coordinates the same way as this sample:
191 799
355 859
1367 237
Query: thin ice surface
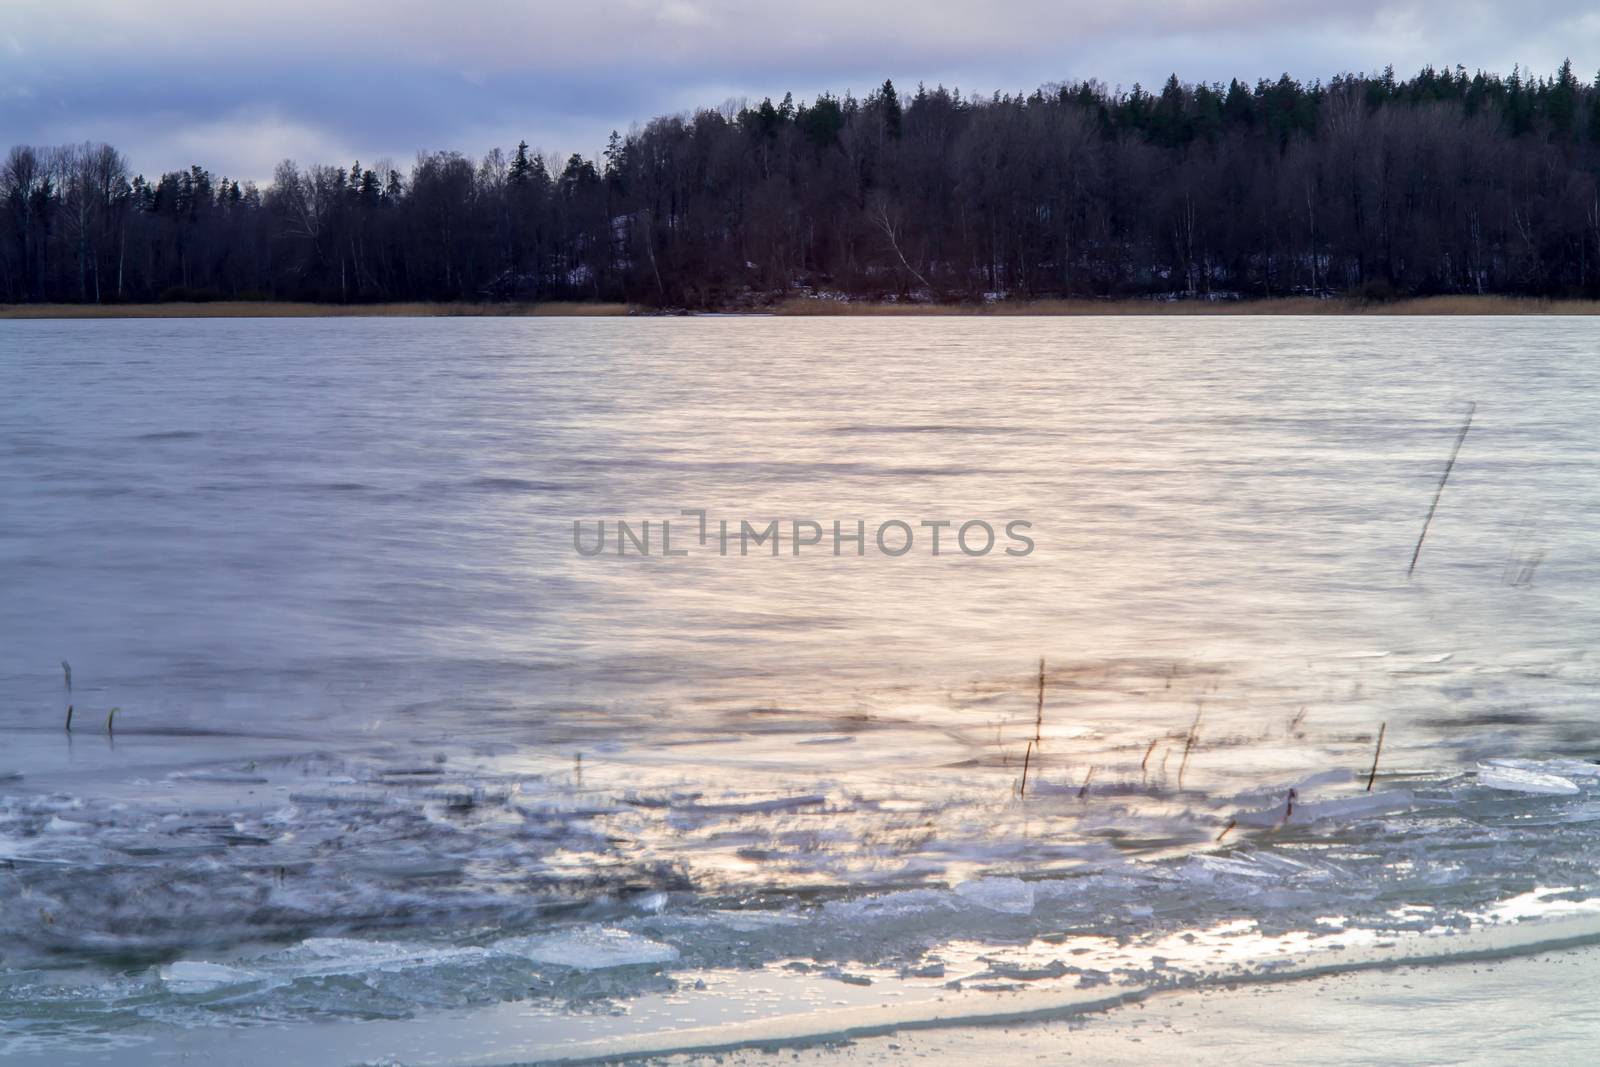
388 746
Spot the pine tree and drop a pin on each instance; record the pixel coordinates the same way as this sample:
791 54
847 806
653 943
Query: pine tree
1561 103
1169 125
1136 109
764 120
613 156
1519 105
1238 107
822 122
1594 112
889 101
520 170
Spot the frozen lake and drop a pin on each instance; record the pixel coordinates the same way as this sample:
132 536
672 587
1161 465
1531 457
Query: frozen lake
388 746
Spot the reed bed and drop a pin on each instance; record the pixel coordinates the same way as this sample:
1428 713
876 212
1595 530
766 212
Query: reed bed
227 309
266 309
1431 305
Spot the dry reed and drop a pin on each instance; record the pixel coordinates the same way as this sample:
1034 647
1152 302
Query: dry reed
1439 492
1188 744
1373 774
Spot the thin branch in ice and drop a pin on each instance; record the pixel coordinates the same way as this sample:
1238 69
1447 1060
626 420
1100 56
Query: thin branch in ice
1472 406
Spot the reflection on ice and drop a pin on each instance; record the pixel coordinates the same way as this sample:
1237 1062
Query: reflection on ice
639 881
388 746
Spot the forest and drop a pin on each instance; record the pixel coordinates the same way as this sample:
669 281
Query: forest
1367 186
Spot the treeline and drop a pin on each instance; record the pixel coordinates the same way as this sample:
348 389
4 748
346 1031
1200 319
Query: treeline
1442 183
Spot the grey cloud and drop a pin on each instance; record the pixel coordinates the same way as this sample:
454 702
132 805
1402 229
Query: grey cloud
238 86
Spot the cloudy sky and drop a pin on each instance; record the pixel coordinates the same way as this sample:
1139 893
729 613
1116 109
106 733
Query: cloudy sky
236 87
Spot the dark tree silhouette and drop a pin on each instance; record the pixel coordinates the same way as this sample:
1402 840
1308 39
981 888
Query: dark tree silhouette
1442 183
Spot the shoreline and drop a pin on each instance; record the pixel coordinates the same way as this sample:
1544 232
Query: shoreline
1488 1007
288 309
1291 305
810 307
1471 1011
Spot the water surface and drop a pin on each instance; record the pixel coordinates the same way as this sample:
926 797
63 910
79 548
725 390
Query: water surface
388 745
